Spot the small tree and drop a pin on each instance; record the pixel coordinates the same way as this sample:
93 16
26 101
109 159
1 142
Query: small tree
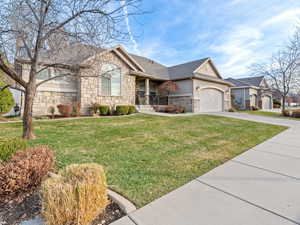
6 99
168 87
282 70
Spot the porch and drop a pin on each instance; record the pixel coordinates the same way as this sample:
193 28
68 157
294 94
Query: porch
147 93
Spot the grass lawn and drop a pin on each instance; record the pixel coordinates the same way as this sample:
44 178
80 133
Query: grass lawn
147 156
269 114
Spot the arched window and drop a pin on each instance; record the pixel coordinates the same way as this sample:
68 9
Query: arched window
110 80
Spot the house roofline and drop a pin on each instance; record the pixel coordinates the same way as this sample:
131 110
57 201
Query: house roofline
214 80
242 87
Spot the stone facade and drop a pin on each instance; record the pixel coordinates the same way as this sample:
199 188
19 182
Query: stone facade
90 83
46 99
184 101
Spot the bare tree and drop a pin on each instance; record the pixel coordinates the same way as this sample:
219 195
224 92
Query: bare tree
283 68
36 30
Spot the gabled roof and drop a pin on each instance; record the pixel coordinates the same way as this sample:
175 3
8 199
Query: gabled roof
185 70
247 81
78 54
152 68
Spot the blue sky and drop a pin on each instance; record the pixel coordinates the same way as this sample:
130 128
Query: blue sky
234 33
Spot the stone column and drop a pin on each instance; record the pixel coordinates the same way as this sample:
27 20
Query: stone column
147 91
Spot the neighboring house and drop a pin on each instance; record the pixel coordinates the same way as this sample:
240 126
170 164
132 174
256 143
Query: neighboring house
293 101
251 92
115 77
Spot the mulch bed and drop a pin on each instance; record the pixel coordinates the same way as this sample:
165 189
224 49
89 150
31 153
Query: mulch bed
14 212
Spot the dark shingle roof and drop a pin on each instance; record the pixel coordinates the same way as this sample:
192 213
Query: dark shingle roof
72 54
253 81
180 71
76 53
151 67
247 81
185 70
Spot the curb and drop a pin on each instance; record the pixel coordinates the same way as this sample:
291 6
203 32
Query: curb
124 204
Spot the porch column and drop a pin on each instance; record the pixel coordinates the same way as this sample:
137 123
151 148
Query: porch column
147 91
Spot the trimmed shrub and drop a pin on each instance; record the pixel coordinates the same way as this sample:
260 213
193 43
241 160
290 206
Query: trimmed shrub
122 109
170 109
132 109
52 111
65 109
286 113
103 110
296 113
6 99
254 108
276 102
231 110
9 146
76 196
76 108
276 106
180 109
24 172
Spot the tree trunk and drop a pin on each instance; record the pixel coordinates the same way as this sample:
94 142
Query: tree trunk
283 102
27 115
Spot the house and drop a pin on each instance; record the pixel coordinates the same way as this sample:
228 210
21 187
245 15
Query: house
115 77
17 94
251 92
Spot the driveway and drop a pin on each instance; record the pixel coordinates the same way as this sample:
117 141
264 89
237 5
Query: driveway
259 187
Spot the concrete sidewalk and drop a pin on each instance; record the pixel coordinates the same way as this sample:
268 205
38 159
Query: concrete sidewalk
259 187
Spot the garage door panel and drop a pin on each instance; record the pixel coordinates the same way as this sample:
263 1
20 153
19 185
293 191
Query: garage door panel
211 100
266 102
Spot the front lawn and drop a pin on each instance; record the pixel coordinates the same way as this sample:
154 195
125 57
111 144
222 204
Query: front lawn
269 114
146 156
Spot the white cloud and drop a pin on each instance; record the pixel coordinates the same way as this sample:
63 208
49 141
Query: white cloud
237 49
287 17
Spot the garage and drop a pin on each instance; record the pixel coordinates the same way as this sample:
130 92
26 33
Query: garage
266 102
211 100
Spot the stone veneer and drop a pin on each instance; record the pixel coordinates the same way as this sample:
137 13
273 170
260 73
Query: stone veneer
184 101
46 99
89 86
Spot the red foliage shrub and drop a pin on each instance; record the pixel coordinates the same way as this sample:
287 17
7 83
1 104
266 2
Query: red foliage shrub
65 109
180 109
170 109
296 113
286 113
24 172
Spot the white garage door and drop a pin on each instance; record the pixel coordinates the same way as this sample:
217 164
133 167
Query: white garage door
211 100
266 102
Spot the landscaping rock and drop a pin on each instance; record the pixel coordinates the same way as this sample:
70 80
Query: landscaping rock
36 221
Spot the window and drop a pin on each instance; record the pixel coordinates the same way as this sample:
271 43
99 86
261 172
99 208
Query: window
110 80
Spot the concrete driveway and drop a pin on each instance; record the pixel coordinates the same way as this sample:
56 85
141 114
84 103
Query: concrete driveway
259 187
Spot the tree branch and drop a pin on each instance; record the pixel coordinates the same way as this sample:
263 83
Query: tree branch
11 73
51 31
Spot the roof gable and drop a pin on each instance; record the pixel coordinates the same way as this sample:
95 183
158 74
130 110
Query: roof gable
185 70
208 68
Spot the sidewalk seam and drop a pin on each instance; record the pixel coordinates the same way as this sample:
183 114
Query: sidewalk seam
246 201
278 154
133 220
266 170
